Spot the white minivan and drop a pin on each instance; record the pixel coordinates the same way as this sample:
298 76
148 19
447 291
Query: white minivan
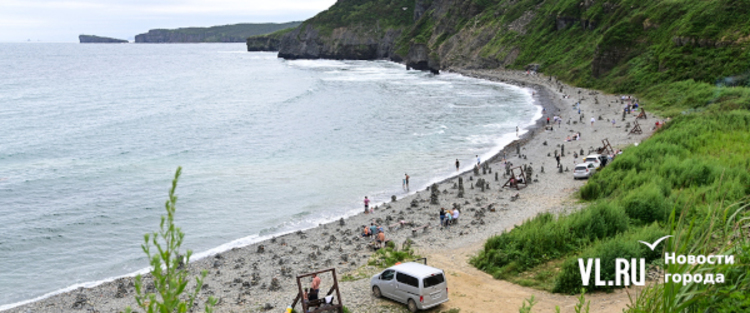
418 286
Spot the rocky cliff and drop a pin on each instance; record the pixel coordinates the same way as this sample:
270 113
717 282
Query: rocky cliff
99 39
225 33
592 43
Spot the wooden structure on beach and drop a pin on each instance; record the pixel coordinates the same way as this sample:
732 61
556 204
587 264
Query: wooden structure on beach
642 115
317 303
606 147
513 181
636 129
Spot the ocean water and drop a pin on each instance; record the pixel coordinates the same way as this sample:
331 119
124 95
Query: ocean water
92 134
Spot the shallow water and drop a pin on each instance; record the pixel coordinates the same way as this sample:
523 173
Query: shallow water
92 135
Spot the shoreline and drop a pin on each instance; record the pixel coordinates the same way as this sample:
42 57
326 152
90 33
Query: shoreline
244 276
261 238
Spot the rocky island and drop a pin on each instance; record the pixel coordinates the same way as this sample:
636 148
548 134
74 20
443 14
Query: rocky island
224 33
99 39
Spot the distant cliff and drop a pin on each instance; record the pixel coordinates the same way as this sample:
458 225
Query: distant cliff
269 42
225 33
98 39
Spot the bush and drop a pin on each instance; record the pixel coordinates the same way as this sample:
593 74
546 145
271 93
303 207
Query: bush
624 246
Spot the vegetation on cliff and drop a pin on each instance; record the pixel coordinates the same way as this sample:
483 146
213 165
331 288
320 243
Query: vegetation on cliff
99 39
224 33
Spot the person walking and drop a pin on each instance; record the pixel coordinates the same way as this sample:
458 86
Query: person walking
457 164
367 205
547 120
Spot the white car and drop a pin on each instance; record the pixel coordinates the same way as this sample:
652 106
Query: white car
418 286
596 159
584 170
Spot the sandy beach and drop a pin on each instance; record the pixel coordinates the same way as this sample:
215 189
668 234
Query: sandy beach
260 277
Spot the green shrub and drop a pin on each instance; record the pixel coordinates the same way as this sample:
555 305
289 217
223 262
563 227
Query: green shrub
624 246
169 273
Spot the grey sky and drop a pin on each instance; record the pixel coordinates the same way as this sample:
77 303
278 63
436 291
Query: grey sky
64 20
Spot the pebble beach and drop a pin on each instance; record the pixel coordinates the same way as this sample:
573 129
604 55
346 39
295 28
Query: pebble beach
261 277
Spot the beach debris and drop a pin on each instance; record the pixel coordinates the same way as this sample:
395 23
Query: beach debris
515 197
542 171
81 301
544 143
268 306
261 248
121 290
414 203
460 188
445 191
341 222
393 198
566 169
455 186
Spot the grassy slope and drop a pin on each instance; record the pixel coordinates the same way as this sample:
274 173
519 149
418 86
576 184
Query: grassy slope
386 14
697 164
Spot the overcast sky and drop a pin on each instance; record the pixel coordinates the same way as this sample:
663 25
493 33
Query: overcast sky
64 20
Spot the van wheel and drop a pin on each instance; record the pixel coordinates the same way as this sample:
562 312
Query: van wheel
376 292
412 306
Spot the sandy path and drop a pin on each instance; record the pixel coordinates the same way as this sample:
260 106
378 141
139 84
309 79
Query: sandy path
474 291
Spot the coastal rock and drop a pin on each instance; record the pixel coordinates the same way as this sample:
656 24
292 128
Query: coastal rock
99 39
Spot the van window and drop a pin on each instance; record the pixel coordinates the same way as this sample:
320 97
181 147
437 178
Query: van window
387 275
433 280
406 279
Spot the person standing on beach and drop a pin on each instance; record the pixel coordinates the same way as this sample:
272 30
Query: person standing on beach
547 120
406 180
367 205
479 162
516 131
314 288
592 121
457 164
613 123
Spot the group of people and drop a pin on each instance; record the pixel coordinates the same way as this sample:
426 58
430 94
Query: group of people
376 232
448 217
576 136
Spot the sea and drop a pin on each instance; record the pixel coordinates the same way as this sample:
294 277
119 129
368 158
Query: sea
91 136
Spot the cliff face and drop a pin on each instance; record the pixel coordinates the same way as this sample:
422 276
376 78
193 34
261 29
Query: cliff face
98 39
351 43
592 43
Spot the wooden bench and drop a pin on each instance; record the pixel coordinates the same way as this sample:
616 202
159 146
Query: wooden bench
423 228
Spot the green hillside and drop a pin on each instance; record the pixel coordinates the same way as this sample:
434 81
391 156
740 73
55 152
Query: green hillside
685 59
224 33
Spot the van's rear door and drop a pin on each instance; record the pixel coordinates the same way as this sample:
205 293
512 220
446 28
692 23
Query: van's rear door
434 289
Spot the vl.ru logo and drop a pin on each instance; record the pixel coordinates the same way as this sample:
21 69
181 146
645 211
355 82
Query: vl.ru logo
627 272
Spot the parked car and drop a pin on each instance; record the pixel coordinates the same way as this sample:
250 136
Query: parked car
597 159
418 286
584 170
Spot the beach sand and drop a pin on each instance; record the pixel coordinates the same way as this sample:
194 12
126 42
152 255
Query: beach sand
243 278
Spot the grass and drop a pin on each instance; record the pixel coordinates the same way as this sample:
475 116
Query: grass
694 164
389 256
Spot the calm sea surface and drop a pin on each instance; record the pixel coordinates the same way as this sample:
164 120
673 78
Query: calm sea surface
91 136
